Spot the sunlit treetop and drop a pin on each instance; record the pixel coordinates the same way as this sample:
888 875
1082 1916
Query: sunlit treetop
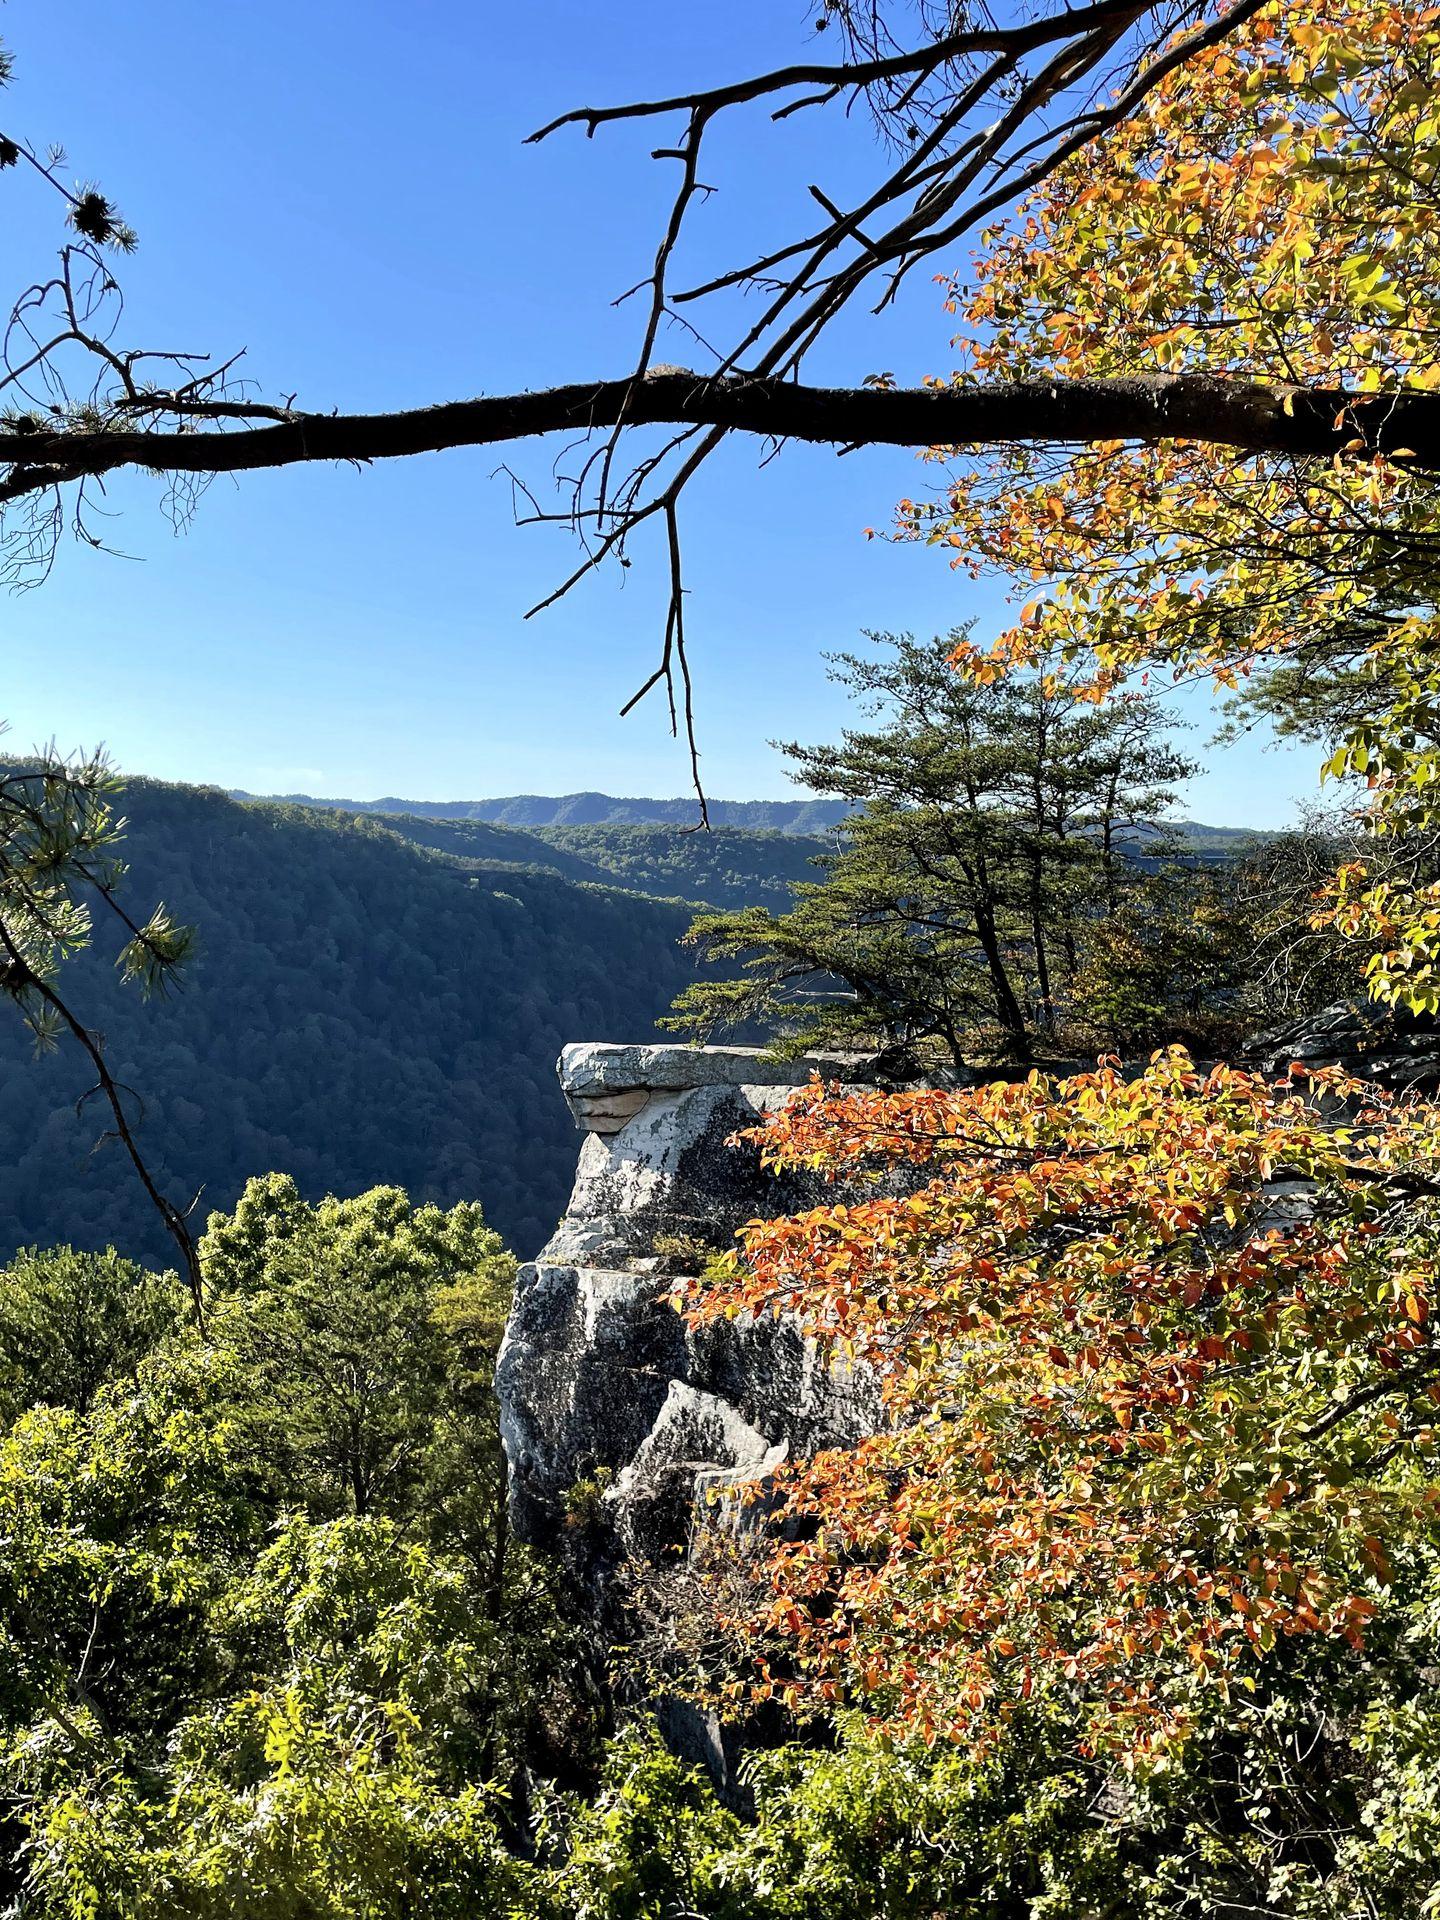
1270 215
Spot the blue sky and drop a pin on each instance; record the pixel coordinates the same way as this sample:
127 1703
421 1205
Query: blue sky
343 191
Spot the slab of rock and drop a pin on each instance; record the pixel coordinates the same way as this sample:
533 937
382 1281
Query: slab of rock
607 1112
1397 1050
698 1444
668 1170
592 1067
583 1373
595 1373
606 1086
598 1375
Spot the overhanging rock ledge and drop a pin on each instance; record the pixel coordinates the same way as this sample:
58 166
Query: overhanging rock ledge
601 1384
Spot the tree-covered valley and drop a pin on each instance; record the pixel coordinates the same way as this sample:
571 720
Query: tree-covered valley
376 997
726 867
358 1009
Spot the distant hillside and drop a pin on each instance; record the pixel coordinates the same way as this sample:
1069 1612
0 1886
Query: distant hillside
360 1010
1192 839
598 809
374 999
728 867
1214 842
547 816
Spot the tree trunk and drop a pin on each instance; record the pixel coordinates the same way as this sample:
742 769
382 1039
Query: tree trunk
1042 956
1007 1007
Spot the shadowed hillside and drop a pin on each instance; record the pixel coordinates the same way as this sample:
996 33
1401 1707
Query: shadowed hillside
359 1010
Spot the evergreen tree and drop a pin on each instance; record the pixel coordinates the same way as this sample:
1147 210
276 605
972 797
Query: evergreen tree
993 826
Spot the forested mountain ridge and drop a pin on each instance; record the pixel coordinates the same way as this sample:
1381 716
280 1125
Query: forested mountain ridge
530 810
359 1010
582 822
727 867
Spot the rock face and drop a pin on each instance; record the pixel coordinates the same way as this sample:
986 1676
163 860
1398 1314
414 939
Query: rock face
602 1386
655 1160
1398 1050
607 1399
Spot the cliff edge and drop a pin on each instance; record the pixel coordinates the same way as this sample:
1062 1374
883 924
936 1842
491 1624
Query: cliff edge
605 1394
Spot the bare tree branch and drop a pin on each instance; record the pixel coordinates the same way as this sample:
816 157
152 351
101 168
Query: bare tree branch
972 114
1252 417
931 58
25 979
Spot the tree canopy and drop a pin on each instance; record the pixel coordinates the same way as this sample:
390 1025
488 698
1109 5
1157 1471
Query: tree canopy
1268 213
1007 885
1153 1414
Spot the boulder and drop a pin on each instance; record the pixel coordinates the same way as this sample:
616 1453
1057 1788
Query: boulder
598 1067
699 1445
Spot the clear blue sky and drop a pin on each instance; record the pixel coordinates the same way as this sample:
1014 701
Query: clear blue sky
343 191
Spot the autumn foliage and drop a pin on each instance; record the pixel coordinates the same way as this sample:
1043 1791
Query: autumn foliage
1160 1373
1269 214
1273 212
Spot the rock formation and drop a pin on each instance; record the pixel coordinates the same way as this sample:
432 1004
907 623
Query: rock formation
606 1397
1395 1049
618 1419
